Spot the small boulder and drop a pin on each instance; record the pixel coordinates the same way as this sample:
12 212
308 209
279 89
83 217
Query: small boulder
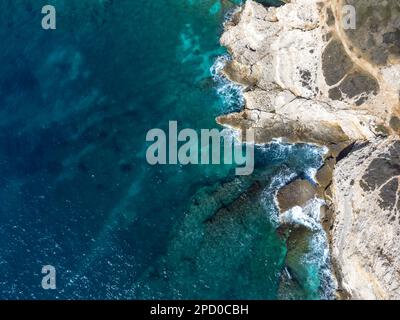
296 193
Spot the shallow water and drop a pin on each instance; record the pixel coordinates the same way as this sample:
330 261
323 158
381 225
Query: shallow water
76 191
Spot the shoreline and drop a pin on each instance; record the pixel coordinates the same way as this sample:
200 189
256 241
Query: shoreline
327 154
276 106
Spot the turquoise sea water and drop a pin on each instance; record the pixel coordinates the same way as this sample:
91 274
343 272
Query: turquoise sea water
76 192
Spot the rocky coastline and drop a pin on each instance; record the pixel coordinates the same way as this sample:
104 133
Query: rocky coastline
307 79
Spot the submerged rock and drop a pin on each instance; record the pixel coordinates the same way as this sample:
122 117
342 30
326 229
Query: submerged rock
224 247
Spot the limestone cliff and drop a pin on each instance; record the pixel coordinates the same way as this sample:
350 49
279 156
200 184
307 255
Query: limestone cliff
309 79
366 224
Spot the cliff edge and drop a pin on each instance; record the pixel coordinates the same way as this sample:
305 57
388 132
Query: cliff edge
366 222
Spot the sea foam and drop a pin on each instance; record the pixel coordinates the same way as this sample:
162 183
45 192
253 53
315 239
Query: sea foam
230 93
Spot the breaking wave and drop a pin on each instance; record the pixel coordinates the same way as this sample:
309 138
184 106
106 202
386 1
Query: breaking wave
230 93
317 258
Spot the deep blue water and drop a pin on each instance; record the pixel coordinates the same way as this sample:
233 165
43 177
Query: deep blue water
75 189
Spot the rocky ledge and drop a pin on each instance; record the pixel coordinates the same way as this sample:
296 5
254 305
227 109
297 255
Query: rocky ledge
308 79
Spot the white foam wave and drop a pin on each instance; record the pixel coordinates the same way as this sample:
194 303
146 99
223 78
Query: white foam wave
318 256
231 93
311 174
229 15
269 194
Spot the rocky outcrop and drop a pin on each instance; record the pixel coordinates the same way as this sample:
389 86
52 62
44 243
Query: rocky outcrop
296 193
307 78
303 79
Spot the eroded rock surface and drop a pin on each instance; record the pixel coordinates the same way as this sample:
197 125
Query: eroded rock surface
366 230
377 35
303 79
